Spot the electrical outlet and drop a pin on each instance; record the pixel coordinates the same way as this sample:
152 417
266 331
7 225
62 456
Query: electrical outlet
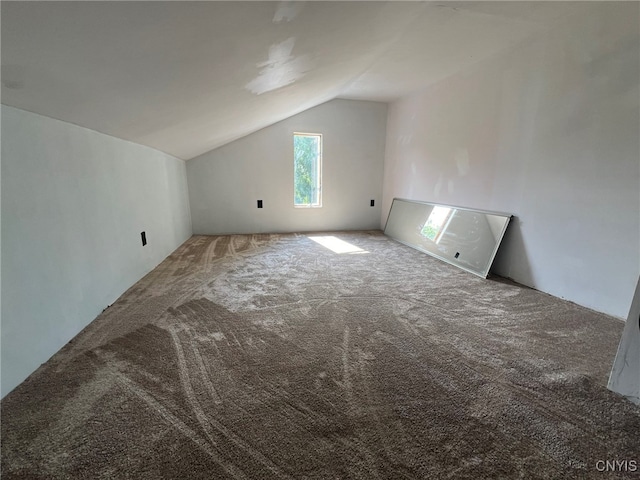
144 238
259 203
373 202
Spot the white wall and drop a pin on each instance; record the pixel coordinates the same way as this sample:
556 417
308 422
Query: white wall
548 132
74 202
225 184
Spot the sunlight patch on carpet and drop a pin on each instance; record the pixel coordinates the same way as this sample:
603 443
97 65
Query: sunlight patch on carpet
336 245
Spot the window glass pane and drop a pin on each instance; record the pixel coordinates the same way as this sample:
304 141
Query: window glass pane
307 169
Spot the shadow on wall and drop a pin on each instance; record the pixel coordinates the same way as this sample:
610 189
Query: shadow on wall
512 260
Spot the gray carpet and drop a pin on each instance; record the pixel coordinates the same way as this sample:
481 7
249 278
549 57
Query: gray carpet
271 356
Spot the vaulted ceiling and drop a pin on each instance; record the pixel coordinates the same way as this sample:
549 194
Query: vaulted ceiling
187 77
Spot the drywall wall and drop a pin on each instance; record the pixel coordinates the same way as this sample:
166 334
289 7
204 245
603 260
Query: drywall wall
74 203
547 131
225 184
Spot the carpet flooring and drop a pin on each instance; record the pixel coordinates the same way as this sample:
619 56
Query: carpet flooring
274 356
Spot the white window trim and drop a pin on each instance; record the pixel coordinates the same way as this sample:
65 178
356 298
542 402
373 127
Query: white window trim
319 204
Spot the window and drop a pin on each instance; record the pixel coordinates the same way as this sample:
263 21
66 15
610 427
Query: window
307 170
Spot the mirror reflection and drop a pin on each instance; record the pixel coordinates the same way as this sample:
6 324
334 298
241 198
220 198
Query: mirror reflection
463 237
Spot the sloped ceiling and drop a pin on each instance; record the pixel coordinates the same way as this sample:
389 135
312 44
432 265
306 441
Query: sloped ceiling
187 77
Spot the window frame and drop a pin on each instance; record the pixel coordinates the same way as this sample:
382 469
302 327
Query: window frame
319 164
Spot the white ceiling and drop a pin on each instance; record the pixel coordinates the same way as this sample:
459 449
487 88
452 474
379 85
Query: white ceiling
187 77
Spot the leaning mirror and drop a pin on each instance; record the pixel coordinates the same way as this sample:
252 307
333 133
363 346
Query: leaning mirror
463 237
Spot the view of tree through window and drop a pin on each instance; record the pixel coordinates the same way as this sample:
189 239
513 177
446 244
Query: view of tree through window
307 158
